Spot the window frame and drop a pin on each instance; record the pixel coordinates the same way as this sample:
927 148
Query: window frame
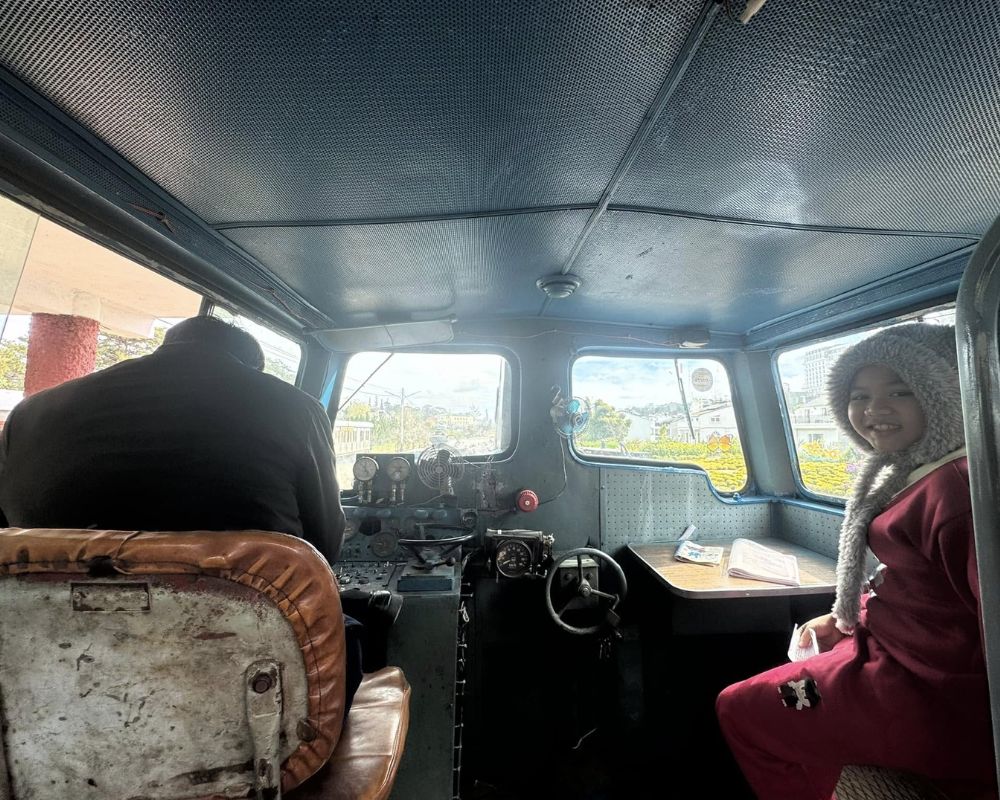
748 488
513 412
208 306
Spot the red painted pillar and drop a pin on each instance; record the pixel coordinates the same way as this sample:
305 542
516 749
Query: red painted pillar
60 347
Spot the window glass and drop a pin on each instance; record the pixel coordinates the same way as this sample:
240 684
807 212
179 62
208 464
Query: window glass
71 306
674 410
406 402
827 463
281 354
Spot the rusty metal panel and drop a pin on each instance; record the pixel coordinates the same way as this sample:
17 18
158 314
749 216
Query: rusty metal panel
135 688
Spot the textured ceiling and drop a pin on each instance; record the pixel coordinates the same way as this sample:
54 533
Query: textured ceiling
408 160
416 270
860 114
652 265
278 111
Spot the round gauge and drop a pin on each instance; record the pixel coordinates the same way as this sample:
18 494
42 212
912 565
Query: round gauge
513 558
383 544
398 469
365 468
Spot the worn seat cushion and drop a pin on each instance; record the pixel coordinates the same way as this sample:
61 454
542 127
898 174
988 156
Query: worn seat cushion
363 766
287 570
876 783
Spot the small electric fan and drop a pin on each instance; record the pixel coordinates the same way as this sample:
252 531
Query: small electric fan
570 415
439 466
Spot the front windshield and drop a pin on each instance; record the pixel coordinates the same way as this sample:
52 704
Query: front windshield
406 402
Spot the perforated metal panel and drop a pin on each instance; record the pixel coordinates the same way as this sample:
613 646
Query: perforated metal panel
847 112
817 530
60 146
926 285
649 505
840 112
318 110
651 268
367 273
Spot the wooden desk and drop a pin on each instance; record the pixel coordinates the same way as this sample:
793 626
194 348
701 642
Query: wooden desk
818 573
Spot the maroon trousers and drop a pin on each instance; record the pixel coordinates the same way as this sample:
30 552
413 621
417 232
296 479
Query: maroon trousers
870 711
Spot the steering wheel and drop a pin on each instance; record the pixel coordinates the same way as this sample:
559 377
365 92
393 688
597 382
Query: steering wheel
584 589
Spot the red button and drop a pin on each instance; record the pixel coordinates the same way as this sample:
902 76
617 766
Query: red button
527 500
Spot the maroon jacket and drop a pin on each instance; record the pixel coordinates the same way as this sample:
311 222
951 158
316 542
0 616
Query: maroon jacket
908 690
926 610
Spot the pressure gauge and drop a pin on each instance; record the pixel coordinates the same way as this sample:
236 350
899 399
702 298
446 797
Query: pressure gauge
398 469
512 558
365 468
383 544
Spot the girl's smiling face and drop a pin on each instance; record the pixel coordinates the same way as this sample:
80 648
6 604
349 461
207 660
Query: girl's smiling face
883 409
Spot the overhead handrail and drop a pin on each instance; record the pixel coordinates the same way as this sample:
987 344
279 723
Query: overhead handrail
976 324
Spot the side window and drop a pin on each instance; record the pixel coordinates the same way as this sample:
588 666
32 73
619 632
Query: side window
670 410
71 306
281 354
827 463
406 402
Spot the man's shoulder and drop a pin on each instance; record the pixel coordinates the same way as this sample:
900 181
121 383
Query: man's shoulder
284 396
72 389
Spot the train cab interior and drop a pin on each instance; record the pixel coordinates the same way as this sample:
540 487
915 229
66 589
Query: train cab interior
568 278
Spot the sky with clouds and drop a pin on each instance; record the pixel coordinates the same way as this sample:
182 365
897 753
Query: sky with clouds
458 381
634 382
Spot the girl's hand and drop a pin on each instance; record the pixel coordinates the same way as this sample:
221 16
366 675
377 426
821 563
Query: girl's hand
827 634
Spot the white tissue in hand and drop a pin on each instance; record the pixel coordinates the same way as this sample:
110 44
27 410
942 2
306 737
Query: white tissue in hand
798 653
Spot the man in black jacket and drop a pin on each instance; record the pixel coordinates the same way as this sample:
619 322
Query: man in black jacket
191 437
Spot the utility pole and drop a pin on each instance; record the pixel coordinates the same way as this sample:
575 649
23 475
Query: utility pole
402 411
687 409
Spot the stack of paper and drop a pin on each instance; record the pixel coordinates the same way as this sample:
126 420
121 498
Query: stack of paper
750 559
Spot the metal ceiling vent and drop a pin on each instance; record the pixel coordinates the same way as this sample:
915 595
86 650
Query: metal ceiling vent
558 286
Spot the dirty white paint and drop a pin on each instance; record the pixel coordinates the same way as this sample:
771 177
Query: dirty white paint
144 698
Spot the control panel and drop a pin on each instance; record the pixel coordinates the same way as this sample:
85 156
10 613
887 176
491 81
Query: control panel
373 533
366 575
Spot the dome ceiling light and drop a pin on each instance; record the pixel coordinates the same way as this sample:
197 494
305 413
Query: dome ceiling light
558 286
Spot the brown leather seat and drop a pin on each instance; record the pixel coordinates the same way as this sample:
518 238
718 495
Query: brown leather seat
183 665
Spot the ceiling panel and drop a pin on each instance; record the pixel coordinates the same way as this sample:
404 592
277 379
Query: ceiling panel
836 112
283 111
665 270
362 274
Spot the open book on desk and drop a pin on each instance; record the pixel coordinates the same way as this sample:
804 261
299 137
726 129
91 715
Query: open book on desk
749 559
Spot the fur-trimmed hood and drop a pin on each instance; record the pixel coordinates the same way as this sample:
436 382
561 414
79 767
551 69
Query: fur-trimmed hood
925 357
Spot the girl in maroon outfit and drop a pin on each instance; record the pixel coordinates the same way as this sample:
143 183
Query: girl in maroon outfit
900 681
